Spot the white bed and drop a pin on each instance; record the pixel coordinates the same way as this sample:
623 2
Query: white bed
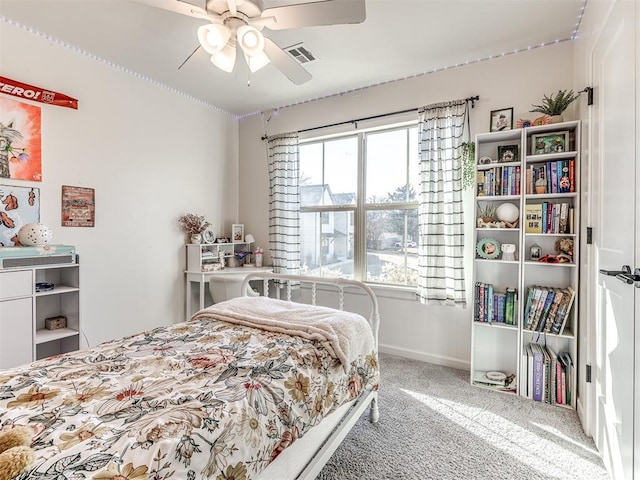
216 397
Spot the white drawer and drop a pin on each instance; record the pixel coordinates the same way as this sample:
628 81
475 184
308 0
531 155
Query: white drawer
16 284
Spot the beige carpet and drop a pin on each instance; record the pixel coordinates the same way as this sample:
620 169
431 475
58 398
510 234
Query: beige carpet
434 425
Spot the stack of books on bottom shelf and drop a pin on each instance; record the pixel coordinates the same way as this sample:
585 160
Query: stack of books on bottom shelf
547 309
546 376
495 380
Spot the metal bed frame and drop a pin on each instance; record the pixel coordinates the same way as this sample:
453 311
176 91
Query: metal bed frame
306 457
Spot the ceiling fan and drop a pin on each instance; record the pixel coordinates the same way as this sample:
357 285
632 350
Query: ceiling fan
239 23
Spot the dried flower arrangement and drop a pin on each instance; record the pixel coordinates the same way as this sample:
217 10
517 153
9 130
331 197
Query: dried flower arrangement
193 224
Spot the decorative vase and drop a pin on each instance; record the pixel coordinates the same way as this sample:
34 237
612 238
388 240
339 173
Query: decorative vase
196 238
556 119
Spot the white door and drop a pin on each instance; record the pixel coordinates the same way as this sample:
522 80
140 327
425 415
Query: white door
613 207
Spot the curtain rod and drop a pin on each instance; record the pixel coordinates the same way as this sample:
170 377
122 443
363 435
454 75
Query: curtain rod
373 117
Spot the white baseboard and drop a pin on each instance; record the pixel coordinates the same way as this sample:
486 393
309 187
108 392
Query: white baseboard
425 357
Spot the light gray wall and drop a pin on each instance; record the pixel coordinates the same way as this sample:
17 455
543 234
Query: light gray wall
436 334
150 154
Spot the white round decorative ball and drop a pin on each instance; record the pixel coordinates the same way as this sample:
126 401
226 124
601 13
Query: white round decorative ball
34 234
507 212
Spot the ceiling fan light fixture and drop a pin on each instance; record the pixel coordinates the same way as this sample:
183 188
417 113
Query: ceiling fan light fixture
251 40
225 59
256 62
213 37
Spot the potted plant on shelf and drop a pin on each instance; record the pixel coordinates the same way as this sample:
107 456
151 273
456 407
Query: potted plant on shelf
555 105
194 225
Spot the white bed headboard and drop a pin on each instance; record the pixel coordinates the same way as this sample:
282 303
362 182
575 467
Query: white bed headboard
339 284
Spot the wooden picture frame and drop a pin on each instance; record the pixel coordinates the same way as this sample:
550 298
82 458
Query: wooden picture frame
501 120
553 142
237 233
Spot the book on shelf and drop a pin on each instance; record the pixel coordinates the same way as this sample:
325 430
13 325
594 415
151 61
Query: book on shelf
510 306
557 299
533 218
564 184
552 377
541 297
554 177
567 368
544 311
563 312
538 372
529 371
572 175
533 297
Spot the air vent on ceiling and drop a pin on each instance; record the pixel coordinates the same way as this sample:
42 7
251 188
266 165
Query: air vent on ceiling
301 53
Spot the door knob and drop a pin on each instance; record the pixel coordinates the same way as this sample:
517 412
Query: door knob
626 269
624 275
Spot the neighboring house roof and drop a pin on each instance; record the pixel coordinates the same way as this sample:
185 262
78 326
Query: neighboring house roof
311 195
344 198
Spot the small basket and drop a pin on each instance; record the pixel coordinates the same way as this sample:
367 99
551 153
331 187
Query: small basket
54 323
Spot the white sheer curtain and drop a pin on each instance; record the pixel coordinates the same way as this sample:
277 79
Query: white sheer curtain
284 202
440 211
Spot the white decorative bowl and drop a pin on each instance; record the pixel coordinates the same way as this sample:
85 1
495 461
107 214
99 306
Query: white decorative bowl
34 234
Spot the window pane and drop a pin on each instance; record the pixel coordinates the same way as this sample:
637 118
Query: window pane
414 162
392 246
341 170
326 243
386 158
328 172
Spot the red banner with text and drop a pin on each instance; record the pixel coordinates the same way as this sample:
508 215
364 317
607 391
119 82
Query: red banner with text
36 94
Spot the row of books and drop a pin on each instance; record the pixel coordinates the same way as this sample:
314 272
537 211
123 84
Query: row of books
547 309
549 217
546 376
559 177
499 181
492 306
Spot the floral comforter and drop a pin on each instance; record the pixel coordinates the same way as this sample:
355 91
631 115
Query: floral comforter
199 400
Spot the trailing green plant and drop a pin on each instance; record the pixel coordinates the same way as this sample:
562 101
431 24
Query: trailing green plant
556 104
468 164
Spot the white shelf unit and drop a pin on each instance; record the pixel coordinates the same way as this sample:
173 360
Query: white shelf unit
23 311
502 347
200 257
202 263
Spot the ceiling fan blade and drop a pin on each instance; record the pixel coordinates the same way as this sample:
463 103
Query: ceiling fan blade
184 8
285 63
329 12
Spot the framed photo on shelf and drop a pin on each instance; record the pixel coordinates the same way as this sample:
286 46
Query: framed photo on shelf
501 119
488 248
507 153
237 232
550 143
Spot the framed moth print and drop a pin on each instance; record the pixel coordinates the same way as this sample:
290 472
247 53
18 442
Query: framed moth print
18 206
78 206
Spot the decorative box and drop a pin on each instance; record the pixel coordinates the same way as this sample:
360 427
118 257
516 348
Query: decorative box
54 323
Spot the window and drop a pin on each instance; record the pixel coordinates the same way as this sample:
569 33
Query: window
359 206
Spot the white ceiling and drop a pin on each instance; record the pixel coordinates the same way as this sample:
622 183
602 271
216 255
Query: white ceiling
399 38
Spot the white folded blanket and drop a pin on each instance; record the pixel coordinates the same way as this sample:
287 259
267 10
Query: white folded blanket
345 335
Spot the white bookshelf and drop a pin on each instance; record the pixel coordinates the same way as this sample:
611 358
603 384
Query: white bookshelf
498 346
